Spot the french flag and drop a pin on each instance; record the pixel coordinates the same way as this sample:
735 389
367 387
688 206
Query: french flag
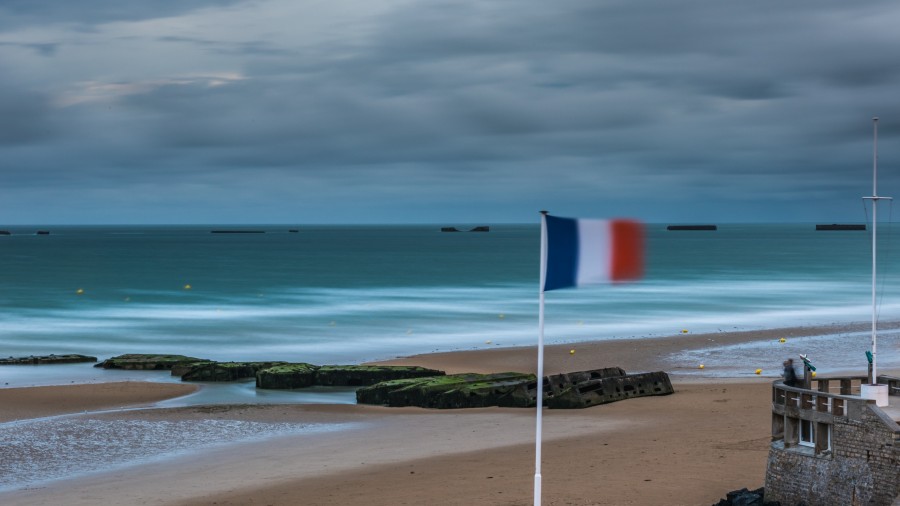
577 252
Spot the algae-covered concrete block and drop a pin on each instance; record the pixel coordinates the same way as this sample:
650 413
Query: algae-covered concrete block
365 375
593 392
47 359
222 371
141 361
182 368
453 391
287 376
566 380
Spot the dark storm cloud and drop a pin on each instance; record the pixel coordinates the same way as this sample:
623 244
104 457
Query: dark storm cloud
91 12
580 103
44 49
251 48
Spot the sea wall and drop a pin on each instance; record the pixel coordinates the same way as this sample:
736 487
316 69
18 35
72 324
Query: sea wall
860 467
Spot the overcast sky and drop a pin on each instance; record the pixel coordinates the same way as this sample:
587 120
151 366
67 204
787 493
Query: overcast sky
470 111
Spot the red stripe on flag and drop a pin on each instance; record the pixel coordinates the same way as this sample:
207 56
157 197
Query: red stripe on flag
627 250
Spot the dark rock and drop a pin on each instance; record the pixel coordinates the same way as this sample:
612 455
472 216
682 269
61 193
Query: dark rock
744 497
470 390
449 229
43 232
220 371
287 376
365 375
5 232
47 359
481 229
149 362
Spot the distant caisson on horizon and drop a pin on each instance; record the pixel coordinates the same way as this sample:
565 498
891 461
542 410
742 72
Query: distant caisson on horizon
692 227
480 228
841 226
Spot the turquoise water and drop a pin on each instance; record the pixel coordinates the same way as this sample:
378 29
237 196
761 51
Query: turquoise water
352 294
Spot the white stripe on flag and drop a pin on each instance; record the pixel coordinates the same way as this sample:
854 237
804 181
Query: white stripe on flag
594 251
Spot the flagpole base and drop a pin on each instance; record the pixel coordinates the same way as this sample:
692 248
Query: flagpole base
878 393
537 490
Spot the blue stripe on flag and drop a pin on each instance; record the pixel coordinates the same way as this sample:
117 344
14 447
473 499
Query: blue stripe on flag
562 253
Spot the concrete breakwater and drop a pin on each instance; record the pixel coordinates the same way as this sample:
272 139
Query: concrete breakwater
510 389
268 374
47 359
413 385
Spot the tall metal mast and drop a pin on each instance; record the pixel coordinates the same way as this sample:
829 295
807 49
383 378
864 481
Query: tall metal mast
875 198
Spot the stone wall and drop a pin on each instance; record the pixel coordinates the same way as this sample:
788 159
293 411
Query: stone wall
862 467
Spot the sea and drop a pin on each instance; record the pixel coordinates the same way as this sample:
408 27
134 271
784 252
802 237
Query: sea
351 294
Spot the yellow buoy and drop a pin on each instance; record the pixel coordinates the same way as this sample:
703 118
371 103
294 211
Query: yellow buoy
759 371
782 340
701 366
80 291
684 331
187 287
571 352
813 373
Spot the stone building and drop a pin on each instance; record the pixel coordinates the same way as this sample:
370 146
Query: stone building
832 447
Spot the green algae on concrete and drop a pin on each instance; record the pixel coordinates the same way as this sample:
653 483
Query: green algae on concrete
182 368
147 362
470 390
365 375
221 371
47 359
287 376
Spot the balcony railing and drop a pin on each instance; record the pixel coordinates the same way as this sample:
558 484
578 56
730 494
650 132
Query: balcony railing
805 416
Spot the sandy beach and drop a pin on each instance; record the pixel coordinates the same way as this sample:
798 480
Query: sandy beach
689 448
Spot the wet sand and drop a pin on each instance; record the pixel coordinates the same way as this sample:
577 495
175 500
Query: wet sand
35 402
689 448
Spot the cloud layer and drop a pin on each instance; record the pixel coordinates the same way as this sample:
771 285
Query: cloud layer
460 111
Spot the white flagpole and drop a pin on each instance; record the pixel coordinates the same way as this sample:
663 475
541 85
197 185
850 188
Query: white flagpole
540 366
874 251
875 198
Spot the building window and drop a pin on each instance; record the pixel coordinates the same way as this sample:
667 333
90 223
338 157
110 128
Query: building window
807 433
823 437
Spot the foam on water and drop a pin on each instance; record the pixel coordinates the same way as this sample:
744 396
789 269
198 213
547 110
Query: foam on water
831 354
352 294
